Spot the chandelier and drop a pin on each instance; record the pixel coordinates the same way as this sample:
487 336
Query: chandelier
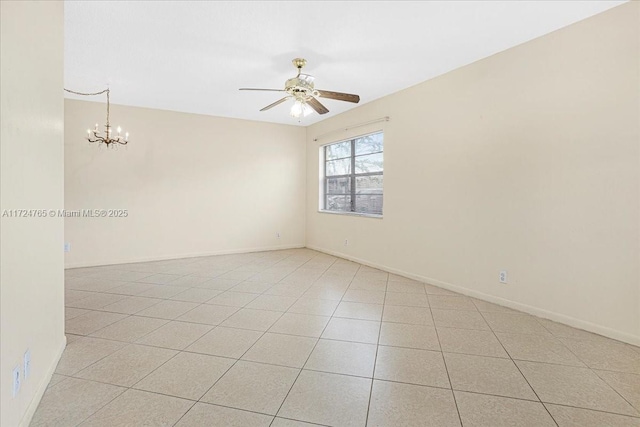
107 137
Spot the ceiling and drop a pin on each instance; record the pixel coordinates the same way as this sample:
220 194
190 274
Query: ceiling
192 56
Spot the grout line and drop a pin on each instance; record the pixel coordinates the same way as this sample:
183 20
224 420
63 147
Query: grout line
519 370
307 360
375 359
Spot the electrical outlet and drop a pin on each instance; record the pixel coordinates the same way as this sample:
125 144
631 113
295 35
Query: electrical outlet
16 381
503 276
346 242
27 364
67 247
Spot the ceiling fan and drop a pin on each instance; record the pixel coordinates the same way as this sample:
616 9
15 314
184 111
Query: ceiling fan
301 89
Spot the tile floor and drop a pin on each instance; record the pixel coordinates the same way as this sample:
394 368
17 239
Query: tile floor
300 338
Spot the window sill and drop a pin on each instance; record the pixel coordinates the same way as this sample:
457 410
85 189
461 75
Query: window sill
350 214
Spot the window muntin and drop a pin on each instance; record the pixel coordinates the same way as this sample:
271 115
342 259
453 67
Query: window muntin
353 175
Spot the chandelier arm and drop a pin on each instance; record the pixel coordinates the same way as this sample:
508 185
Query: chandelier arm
86 93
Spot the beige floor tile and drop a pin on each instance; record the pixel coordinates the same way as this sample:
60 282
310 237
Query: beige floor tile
219 284
130 288
485 306
573 386
140 408
436 290
271 302
368 285
283 422
159 279
410 300
325 292
284 350
175 335
407 365
287 290
576 417
187 375
479 410
328 399
628 385
70 312
538 348
199 295
488 375
84 351
71 401
92 284
253 387
342 357
95 301
405 314
467 341
90 322
256 320
56 379
189 281
252 287
204 414
394 404
131 305
317 307
130 328
450 302
233 299
459 319
127 366
407 287
364 331
162 291
71 295
357 310
366 297
226 342
514 323
605 354
168 309
208 314
300 324
564 331
413 336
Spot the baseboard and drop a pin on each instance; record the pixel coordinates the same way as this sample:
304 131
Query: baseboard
187 255
536 311
42 387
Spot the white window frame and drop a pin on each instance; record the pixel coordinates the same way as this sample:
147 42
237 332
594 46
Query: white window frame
323 178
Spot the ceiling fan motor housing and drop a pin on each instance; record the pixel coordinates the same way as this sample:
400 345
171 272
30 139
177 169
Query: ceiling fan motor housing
301 87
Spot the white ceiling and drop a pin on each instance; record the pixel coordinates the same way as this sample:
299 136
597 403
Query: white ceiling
192 56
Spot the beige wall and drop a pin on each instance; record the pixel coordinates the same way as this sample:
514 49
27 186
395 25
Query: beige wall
192 185
527 161
31 177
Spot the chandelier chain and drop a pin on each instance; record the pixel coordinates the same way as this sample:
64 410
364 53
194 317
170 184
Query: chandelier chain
96 137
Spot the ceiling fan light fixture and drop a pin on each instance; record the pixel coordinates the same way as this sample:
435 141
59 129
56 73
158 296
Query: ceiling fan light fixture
300 109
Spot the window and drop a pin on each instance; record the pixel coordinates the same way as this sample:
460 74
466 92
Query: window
352 180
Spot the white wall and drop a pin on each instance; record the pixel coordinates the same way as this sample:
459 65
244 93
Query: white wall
527 161
31 177
192 185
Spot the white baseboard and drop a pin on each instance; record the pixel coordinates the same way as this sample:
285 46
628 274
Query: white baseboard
536 311
42 387
180 256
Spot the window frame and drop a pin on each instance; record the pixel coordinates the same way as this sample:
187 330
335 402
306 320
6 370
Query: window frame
351 176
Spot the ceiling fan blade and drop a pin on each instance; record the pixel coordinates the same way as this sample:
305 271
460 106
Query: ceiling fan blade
278 102
339 96
268 90
316 105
